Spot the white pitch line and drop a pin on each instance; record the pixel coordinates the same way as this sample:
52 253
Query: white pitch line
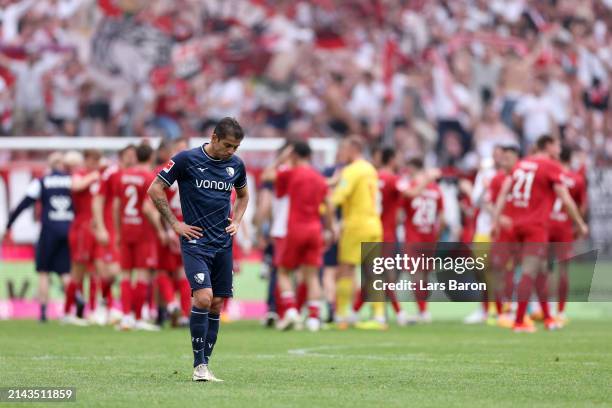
315 352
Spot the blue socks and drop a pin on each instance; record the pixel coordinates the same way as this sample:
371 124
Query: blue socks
198 325
211 335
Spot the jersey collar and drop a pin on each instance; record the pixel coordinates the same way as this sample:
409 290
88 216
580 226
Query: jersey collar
207 155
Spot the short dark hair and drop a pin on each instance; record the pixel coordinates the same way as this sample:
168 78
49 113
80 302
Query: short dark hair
228 127
125 149
511 148
284 146
543 142
92 153
566 154
144 151
302 149
416 162
388 154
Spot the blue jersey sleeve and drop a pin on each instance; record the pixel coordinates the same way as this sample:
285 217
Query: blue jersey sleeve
241 180
173 170
23 205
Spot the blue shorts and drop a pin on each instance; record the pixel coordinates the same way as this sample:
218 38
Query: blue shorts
330 257
52 252
209 268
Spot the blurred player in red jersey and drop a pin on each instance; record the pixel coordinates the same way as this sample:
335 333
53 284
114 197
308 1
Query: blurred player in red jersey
273 212
307 191
391 200
502 262
106 251
562 228
81 238
531 191
136 223
423 205
469 212
170 277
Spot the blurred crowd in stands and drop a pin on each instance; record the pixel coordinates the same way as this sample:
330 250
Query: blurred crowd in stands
445 80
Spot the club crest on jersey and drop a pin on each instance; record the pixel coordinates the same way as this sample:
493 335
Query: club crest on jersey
169 166
230 171
199 278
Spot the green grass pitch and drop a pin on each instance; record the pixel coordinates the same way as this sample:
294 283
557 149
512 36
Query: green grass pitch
439 364
442 364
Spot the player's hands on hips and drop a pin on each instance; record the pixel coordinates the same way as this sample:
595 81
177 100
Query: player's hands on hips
232 228
187 231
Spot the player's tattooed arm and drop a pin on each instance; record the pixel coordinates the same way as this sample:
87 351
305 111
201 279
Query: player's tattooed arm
158 196
159 199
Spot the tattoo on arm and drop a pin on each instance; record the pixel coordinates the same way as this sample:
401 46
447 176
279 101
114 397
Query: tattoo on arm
162 205
164 209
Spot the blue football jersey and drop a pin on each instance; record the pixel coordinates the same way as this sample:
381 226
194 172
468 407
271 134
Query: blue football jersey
205 186
54 193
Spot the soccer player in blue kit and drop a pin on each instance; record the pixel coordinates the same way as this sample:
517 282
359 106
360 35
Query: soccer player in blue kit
206 177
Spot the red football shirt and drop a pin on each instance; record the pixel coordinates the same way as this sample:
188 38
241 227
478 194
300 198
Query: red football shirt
532 194
423 212
306 189
131 188
106 190
391 199
81 201
576 185
495 187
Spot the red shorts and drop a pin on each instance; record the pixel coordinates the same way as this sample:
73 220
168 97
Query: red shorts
561 237
501 250
303 246
534 238
138 255
504 235
107 253
82 243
